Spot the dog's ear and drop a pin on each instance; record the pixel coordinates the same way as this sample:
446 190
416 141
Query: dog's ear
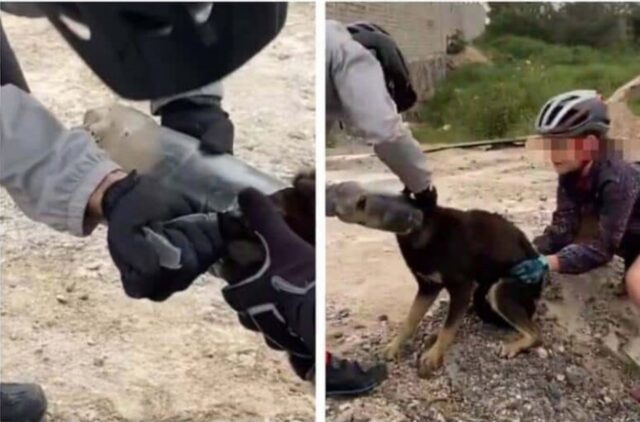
426 200
297 205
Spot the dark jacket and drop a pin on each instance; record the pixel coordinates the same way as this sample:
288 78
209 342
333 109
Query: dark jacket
610 191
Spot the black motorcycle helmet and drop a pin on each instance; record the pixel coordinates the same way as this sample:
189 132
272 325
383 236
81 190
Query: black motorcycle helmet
396 73
149 50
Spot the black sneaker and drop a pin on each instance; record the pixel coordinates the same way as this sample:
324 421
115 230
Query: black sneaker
22 403
347 378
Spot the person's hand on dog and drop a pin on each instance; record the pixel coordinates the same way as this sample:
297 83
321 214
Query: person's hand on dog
267 299
531 271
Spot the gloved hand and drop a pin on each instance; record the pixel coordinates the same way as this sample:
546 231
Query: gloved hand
136 202
278 299
203 118
303 367
531 271
425 200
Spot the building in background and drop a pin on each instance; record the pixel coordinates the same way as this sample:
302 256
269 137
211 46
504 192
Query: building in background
422 31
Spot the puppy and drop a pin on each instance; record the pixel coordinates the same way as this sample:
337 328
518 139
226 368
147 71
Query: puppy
469 254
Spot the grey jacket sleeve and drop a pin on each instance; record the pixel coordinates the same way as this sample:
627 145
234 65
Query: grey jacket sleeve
49 171
358 81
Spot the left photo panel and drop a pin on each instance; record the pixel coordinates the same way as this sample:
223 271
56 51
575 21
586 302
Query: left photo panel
157 212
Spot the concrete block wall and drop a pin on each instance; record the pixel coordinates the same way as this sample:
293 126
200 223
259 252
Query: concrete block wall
420 29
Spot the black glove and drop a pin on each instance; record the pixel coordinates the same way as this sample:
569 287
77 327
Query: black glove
303 367
136 202
425 200
279 299
204 119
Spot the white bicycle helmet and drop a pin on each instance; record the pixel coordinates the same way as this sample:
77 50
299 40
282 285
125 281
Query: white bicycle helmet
573 113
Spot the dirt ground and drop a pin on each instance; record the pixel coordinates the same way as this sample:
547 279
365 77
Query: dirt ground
66 322
591 351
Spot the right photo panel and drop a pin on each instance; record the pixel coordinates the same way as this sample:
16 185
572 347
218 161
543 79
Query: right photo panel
483 230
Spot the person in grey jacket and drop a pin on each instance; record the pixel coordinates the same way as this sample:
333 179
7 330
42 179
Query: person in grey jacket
59 177
367 86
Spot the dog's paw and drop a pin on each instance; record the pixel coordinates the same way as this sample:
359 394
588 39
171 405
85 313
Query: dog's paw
391 351
430 362
510 350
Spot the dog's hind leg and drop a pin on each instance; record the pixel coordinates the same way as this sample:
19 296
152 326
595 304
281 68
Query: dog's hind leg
427 294
503 299
460 300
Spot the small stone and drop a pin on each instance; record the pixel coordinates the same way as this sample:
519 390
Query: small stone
576 375
561 349
607 400
297 135
344 313
345 416
383 318
542 353
93 266
560 377
70 287
91 343
61 299
543 198
359 326
84 296
344 407
99 362
554 393
337 334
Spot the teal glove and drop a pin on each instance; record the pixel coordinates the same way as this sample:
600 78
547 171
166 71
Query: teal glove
531 271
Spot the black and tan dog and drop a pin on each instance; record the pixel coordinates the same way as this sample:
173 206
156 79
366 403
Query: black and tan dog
469 254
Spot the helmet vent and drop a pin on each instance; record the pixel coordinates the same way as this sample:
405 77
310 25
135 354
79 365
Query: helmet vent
582 118
147 24
79 29
553 115
543 113
200 12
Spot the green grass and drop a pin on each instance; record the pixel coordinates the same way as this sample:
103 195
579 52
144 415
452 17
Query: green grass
502 99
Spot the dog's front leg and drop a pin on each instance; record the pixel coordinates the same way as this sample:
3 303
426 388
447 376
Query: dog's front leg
427 294
460 299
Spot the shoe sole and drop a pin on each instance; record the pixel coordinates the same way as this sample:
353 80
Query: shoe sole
351 393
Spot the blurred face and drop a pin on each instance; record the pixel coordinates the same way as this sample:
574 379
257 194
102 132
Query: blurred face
568 154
